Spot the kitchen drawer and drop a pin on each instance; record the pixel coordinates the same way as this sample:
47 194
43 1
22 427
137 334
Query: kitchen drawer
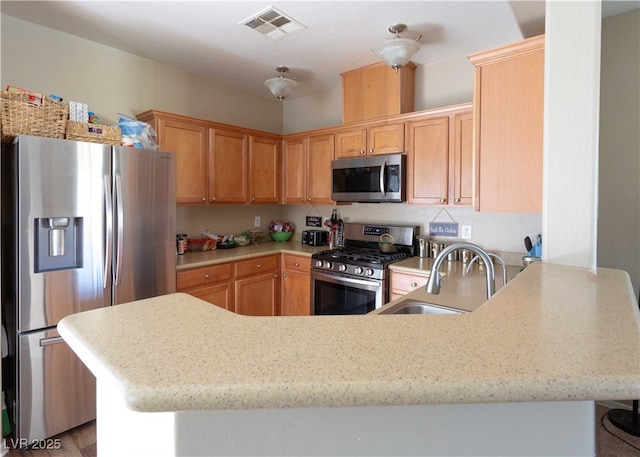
187 279
256 265
404 283
297 263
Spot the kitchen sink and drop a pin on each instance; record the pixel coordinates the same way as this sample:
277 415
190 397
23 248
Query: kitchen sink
419 307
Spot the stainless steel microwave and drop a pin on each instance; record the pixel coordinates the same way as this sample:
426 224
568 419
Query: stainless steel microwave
378 178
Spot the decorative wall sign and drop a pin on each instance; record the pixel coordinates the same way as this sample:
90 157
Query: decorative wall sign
443 229
314 221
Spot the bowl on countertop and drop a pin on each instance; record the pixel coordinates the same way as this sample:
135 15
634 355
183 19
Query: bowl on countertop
281 237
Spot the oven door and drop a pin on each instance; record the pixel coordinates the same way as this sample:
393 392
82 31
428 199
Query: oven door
335 294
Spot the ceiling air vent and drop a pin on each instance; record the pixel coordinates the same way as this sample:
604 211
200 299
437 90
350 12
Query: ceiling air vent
273 23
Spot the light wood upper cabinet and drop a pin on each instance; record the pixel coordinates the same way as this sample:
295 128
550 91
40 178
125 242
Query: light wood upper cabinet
351 143
189 142
508 121
294 175
428 161
264 166
461 159
307 169
377 139
219 163
228 166
439 158
377 91
321 153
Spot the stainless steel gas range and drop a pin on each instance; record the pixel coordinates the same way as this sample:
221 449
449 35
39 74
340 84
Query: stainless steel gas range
354 279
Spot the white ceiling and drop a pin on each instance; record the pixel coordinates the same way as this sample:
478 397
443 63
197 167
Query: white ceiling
207 37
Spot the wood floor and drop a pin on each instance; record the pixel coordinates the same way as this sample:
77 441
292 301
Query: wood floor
77 442
81 441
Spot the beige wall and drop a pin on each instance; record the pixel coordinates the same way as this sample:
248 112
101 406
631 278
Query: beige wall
619 205
112 81
448 82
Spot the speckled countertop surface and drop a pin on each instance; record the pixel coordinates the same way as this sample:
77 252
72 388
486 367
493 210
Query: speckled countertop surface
201 259
554 333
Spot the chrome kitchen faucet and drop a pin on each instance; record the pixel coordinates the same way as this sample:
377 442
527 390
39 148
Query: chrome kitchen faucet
435 278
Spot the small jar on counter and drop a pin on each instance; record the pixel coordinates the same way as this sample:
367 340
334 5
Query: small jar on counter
181 243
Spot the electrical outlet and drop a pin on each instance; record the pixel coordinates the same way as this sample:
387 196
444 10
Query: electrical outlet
466 232
256 221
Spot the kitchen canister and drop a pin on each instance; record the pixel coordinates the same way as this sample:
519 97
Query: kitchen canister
423 246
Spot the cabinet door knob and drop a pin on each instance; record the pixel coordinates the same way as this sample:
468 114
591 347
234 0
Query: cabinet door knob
414 284
204 199
302 200
284 275
258 266
297 264
457 200
275 276
362 152
443 200
371 150
310 199
206 276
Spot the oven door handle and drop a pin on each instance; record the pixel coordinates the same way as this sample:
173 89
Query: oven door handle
337 279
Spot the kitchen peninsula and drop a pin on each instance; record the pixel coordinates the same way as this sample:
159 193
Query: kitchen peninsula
517 376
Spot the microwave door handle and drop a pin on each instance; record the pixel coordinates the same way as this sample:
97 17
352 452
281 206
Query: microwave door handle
382 180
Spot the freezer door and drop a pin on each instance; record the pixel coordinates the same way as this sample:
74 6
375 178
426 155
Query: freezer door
56 392
144 224
59 225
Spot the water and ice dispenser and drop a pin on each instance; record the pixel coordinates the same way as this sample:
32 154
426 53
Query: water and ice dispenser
58 243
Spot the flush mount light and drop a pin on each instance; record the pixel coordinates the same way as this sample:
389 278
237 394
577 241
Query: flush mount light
281 87
396 52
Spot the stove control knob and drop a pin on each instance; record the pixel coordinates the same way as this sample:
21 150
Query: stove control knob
326 264
343 268
358 270
368 272
318 264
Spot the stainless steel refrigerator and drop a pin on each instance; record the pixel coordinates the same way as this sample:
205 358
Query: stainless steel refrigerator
84 226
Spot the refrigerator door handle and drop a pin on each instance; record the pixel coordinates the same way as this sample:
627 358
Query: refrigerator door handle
120 210
52 340
108 205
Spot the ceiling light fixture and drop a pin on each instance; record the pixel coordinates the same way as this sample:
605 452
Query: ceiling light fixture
396 52
281 87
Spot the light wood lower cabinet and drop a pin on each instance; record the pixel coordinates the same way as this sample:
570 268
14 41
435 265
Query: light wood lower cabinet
296 285
219 294
213 284
257 286
254 287
403 283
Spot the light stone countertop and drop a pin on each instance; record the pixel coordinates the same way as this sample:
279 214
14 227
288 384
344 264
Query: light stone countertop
459 289
202 259
554 333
